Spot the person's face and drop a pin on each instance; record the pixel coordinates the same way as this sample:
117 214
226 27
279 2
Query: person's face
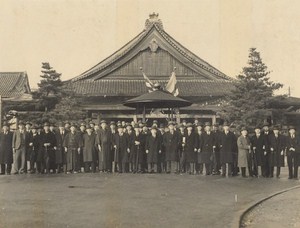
244 132
292 131
27 127
196 121
103 125
189 128
33 130
112 127
226 128
136 130
82 128
120 130
153 131
21 127
266 128
72 128
145 128
276 132
123 123
61 128
171 127
67 125
199 128
184 123
46 128
96 127
207 128
51 128
89 131
257 131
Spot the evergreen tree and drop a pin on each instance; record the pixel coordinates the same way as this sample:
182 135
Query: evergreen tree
50 87
248 103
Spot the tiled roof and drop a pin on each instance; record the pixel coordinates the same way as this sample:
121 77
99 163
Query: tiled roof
192 87
14 84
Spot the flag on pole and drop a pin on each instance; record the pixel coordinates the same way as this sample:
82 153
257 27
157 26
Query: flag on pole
171 87
149 84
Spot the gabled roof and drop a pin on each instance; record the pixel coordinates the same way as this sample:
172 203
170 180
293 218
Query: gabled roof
14 85
153 32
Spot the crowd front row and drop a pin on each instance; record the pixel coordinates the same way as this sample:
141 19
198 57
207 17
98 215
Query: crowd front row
134 147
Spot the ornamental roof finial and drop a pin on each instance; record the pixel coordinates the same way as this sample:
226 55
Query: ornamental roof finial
153 20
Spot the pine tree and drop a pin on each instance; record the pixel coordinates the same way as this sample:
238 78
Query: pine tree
50 87
248 103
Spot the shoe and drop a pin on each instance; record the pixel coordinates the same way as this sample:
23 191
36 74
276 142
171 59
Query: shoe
68 172
75 172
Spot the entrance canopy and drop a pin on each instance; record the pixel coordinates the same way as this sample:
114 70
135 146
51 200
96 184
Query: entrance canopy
157 99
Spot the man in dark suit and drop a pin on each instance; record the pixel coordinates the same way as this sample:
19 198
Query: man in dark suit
60 156
171 141
19 145
6 153
293 150
228 146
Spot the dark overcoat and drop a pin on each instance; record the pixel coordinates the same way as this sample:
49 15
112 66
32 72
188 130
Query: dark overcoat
171 143
6 153
89 152
191 143
228 146
258 142
277 155
104 139
207 142
153 145
47 152
121 143
137 151
33 150
60 155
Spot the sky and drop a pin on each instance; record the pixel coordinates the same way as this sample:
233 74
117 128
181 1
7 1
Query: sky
74 35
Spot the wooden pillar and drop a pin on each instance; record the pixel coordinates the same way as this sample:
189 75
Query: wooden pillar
144 113
214 119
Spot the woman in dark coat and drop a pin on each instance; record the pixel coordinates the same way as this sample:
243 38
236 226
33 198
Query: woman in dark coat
190 144
121 143
228 146
277 151
89 152
153 148
6 152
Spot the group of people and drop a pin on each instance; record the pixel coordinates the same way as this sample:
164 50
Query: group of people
192 148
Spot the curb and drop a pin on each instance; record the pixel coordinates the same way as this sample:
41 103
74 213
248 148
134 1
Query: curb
241 217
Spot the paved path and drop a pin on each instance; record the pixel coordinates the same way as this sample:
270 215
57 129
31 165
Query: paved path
129 200
280 211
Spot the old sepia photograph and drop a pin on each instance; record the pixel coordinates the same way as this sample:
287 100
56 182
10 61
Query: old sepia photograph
149 113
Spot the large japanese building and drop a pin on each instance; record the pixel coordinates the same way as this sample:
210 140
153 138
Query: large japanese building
118 78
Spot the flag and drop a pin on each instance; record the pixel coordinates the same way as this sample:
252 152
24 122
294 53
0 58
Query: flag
149 84
171 87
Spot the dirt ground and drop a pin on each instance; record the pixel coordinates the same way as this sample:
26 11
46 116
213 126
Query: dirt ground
129 200
281 211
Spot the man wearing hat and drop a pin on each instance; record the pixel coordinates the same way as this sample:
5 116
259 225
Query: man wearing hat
6 153
48 147
89 152
257 148
137 149
189 147
293 150
72 144
60 155
122 150
28 126
153 148
104 145
171 143
216 166
33 149
19 145
266 133
206 149
161 165
243 144
277 148
228 147
82 131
